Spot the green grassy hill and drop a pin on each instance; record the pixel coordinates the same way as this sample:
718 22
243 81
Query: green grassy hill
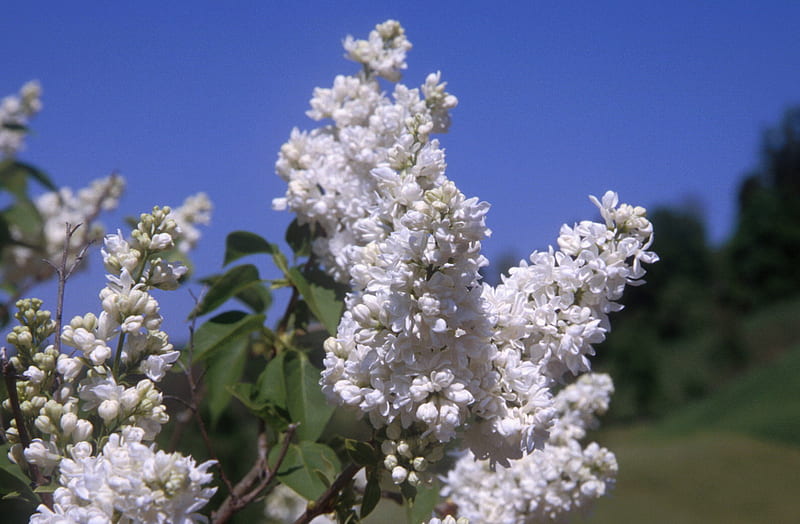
764 403
733 457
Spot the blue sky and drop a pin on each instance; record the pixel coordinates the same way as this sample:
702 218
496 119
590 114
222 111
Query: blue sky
660 101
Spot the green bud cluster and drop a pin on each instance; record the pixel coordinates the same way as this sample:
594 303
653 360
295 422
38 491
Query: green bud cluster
35 328
152 230
408 457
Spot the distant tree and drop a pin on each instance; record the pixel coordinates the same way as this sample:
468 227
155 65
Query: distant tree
761 257
663 356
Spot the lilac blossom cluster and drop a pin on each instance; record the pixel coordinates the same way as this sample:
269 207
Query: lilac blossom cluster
424 350
97 409
15 111
549 484
36 253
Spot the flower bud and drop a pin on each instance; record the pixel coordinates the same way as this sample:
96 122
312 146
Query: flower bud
68 423
35 375
83 431
404 449
413 478
129 399
15 454
399 474
108 410
390 461
44 424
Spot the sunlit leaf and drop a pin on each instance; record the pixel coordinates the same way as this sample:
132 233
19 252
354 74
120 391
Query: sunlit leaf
322 299
223 370
224 332
304 399
237 280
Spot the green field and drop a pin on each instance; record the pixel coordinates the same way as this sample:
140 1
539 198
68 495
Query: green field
731 458
700 478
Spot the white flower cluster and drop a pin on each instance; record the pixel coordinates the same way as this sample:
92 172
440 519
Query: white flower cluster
127 482
77 399
423 349
384 52
14 115
32 260
449 519
549 484
196 209
329 170
546 316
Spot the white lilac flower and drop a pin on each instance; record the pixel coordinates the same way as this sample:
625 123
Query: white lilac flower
139 405
556 307
128 481
549 484
15 111
423 350
33 260
196 209
44 454
329 169
384 52
449 519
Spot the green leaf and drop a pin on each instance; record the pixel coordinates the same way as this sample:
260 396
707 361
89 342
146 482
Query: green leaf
24 215
425 501
243 243
237 280
372 493
223 370
14 179
271 383
362 453
299 238
13 482
322 299
301 464
257 297
267 397
409 493
223 332
36 173
307 405
5 233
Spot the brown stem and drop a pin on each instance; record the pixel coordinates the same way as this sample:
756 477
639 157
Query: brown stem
325 503
254 482
63 274
10 378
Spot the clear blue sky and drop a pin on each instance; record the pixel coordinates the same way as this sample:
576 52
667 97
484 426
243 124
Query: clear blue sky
658 101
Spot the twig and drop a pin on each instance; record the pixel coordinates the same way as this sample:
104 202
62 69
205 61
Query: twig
63 274
324 504
10 378
254 481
